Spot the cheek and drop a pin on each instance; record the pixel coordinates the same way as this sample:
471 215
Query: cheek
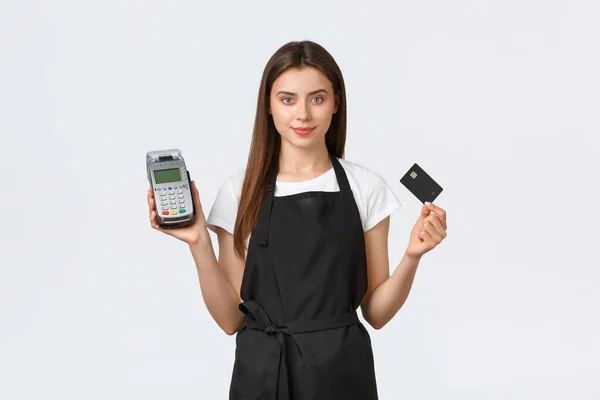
325 112
281 114
281 119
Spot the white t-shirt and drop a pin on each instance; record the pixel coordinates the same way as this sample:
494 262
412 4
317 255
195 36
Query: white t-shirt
374 197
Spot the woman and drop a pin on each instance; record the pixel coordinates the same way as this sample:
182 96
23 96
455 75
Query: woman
303 243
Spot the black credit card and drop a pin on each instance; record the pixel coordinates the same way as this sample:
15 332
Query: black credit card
421 184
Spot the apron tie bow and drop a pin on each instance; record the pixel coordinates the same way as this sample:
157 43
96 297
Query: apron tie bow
258 319
272 329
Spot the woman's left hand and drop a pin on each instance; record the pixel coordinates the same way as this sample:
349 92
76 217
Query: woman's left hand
428 232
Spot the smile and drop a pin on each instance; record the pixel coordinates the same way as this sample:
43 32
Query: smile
303 131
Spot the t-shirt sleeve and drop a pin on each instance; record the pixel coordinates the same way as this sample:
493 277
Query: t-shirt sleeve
224 210
381 200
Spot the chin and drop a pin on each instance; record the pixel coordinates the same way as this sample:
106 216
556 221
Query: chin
304 142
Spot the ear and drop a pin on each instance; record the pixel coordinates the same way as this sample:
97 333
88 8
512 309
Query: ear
337 103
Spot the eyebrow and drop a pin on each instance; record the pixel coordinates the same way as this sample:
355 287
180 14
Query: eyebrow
294 94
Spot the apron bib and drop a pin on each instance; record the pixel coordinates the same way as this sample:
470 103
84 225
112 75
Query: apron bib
304 278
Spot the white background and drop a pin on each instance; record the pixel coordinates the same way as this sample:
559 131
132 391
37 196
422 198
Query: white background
497 100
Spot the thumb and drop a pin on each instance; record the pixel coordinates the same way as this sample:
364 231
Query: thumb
424 211
194 190
195 194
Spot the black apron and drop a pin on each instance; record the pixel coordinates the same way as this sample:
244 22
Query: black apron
304 279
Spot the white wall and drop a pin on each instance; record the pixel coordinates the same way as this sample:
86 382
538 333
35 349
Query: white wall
497 100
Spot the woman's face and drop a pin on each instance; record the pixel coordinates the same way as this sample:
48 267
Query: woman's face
302 98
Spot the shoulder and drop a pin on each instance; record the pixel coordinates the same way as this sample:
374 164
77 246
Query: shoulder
231 188
374 196
224 209
365 177
234 183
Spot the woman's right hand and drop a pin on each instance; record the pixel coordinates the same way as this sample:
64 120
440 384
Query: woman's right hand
190 234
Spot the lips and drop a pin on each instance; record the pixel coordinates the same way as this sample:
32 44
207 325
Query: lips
303 131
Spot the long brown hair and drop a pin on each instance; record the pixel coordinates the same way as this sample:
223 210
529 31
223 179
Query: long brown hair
263 159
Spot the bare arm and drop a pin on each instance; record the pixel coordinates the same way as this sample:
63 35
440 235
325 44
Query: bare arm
386 294
220 280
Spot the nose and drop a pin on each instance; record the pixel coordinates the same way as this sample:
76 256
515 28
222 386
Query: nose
302 112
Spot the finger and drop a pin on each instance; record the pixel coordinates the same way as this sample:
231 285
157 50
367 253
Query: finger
197 203
441 213
150 203
437 211
194 194
153 222
435 221
430 229
427 239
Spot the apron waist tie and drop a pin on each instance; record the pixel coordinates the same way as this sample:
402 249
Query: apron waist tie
257 318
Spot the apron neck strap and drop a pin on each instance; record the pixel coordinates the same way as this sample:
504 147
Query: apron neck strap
261 232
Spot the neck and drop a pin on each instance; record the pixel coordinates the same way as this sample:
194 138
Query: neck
294 160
